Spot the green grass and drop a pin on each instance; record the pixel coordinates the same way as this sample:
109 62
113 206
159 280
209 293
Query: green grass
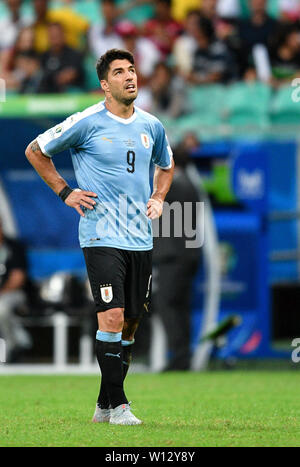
179 409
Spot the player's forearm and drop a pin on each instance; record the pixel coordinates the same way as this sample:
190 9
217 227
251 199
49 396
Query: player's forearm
45 167
162 181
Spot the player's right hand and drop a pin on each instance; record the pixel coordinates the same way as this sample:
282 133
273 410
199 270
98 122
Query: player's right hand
79 198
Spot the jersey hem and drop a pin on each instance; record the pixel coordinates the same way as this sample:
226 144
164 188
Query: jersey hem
114 245
165 168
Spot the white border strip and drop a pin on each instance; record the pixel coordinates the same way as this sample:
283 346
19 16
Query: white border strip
50 369
298 198
6 214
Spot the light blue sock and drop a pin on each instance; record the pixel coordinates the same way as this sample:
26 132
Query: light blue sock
126 343
108 336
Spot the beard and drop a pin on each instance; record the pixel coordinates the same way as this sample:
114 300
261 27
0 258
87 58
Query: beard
126 100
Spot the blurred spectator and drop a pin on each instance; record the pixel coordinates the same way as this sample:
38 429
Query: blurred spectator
289 10
11 26
212 61
190 143
28 72
12 283
221 14
167 92
61 65
162 30
181 9
260 28
228 8
250 75
145 53
103 36
75 27
209 11
175 266
21 65
186 44
226 32
285 59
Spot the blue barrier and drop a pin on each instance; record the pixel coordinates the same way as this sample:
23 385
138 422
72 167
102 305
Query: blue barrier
44 263
247 237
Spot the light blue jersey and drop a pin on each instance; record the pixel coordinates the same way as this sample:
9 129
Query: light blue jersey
111 157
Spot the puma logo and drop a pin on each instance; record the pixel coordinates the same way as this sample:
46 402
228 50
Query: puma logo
113 354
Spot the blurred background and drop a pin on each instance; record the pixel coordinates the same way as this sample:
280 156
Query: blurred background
222 77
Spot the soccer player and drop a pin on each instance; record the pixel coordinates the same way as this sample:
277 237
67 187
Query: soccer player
112 145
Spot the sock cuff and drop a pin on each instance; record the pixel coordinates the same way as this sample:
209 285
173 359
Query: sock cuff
127 343
108 336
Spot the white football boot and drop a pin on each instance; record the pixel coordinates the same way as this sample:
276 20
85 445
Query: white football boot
101 415
122 415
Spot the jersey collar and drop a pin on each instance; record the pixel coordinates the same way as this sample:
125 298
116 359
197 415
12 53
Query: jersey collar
125 121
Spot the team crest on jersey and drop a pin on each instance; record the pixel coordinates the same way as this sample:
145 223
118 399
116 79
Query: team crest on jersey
106 293
145 140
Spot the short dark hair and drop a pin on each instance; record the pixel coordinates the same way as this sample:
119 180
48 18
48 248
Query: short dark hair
166 2
105 60
112 2
206 27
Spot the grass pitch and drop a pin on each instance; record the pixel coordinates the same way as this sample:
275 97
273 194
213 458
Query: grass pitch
254 408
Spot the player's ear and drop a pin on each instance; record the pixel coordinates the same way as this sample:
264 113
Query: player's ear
104 85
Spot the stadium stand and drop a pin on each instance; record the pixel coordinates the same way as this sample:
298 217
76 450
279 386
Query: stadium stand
284 110
209 97
248 103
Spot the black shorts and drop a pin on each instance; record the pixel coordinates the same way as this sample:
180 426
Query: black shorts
120 279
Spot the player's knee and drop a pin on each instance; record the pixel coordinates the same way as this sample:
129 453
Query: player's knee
114 320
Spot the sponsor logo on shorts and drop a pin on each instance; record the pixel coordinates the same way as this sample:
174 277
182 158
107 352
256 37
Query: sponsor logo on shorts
118 355
106 293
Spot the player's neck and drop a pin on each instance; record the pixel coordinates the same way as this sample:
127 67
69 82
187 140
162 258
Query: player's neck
119 109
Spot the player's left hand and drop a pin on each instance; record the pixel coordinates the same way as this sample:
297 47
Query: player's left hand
154 208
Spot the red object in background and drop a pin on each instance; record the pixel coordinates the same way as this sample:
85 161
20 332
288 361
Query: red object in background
162 34
126 28
252 344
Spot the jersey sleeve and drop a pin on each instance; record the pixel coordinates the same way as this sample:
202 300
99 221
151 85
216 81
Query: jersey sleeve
162 153
71 133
